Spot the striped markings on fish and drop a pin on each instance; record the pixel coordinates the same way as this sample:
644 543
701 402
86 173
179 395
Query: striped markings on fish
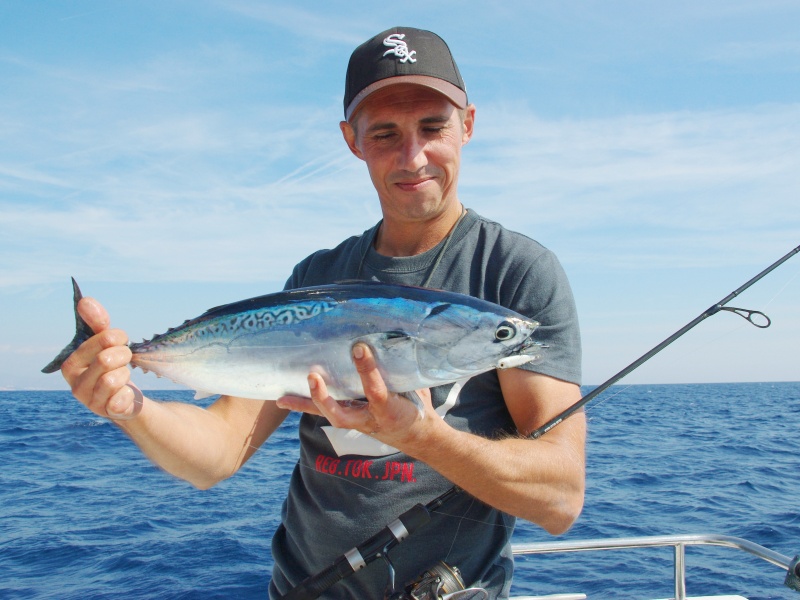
265 347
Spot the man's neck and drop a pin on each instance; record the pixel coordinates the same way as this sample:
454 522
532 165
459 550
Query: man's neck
402 238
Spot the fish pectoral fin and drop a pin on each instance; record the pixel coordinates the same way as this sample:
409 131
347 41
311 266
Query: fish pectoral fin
388 340
396 335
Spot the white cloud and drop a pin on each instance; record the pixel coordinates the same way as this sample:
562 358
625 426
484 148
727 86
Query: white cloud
196 197
712 175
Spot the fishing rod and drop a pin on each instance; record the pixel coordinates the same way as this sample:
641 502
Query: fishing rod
749 315
398 530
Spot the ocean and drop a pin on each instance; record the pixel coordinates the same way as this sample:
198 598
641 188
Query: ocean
83 515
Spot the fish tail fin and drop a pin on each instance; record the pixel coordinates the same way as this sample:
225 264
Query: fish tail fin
82 333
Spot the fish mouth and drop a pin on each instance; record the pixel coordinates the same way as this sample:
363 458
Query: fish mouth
528 352
529 347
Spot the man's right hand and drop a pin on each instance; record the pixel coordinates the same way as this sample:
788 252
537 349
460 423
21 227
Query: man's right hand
97 372
200 445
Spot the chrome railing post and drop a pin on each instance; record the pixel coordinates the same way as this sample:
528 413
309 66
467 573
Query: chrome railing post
680 571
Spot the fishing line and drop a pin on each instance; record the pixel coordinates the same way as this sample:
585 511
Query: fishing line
461 520
605 399
780 291
417 516
470 519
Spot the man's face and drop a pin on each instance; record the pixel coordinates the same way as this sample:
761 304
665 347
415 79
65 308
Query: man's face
411 138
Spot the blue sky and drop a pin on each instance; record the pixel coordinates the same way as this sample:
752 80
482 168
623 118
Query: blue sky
177 155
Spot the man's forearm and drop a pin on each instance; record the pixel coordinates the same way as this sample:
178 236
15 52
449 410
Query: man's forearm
201 446
539 480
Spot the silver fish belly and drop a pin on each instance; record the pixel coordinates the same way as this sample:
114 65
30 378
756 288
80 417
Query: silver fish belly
265 347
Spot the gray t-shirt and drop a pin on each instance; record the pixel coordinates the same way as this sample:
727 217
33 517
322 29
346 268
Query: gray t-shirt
346 487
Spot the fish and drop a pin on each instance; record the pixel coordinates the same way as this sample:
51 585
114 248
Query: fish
264 348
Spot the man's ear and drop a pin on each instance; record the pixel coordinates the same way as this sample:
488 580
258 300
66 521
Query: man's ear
468 126
349 134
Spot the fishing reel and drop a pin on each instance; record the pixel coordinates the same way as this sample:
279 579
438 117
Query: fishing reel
440 582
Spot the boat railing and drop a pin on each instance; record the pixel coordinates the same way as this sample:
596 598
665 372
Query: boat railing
678 543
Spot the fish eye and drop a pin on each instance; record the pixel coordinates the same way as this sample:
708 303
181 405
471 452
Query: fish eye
505 331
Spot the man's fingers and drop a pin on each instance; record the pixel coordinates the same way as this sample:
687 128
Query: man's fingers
371 378
299 404
125 404
94 314
102 379
345 414
120 404
111 374
326 405
104 351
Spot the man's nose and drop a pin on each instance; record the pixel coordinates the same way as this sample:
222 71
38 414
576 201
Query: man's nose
412 153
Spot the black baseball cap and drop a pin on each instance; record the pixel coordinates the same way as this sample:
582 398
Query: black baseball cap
402 55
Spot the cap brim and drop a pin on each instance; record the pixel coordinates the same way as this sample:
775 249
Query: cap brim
454 94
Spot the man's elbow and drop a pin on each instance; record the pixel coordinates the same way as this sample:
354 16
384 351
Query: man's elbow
205 480
561 523
563 515
203 485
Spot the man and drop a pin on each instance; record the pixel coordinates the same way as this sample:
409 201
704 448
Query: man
407 117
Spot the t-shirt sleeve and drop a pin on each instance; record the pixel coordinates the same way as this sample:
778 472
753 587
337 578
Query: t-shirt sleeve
544 294
299 276
295 279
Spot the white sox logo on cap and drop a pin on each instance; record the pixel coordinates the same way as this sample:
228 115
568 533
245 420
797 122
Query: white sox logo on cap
399 48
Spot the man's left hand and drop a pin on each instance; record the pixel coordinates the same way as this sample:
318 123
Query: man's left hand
386 416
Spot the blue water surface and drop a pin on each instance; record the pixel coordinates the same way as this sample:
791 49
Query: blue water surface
84 515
